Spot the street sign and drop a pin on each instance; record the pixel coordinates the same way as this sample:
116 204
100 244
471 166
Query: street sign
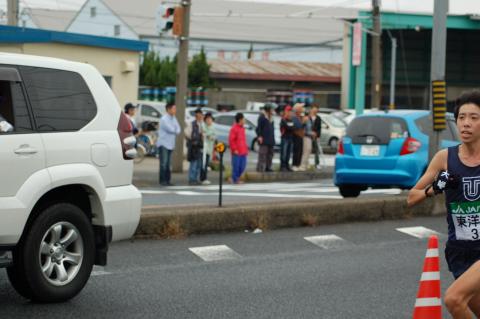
439 99
220 147
357 44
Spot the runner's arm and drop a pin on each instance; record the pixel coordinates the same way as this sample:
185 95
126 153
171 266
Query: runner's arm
417 193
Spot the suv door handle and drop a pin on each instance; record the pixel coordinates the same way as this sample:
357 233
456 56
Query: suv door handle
25 150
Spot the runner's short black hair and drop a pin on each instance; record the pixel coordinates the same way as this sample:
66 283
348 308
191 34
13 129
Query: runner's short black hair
238 117
169 106
466 98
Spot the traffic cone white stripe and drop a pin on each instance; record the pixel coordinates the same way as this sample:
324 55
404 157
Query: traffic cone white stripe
428 302
432 252
431 275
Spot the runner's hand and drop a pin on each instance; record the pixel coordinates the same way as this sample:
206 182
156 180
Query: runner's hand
443 181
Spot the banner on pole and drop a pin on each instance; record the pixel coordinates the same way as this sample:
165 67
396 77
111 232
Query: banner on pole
357 44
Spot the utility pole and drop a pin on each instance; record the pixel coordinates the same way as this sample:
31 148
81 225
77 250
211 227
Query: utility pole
393 67
12 8
376 89
182 83
438 97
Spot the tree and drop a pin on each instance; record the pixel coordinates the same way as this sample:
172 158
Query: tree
158 72
199 71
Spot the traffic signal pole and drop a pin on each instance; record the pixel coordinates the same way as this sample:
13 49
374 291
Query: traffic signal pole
376 90
182 83
438 87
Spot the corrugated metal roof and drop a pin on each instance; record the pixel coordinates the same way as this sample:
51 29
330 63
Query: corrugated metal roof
321 27
276 71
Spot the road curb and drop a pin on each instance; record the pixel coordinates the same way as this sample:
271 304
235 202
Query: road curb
178 221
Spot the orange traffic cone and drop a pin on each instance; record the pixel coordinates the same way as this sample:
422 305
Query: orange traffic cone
428 304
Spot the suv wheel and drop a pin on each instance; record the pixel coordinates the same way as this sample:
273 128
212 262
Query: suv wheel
350 190
55 259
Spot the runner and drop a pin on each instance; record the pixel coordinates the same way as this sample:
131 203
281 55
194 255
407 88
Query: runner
456 171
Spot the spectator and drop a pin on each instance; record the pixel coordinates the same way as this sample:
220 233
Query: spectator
286 145
130 110
266 140
194 136
307 143
316 121
209 137
238 148
298 135
167 132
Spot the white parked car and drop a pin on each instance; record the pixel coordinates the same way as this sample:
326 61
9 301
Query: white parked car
149 111
66 190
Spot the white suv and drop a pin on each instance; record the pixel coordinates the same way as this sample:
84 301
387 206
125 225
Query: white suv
66 174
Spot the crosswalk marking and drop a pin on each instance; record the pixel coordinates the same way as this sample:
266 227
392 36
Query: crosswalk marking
418 231
215 253
327 241
99 271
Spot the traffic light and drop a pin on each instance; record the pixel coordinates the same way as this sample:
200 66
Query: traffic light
169 18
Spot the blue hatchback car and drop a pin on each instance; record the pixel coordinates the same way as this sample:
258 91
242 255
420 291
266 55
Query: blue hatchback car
387 149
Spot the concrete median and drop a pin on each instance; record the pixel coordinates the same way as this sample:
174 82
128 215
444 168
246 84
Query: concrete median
178 221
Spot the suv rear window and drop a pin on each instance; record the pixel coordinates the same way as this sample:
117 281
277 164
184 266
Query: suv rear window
380 129
61 100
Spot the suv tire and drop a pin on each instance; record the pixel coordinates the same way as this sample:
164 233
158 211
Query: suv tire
55 259
350 190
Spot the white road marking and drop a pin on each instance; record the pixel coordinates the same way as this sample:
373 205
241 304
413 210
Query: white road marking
153 192
391 191
418 231
99 271
327 241
215 253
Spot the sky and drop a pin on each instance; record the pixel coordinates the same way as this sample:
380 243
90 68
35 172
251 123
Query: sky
456 6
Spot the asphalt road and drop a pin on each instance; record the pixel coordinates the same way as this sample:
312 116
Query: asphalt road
362 270
250 192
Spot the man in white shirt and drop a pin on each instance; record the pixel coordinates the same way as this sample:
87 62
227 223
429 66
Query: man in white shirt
167 132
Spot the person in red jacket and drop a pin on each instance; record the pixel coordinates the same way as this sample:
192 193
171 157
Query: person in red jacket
238 147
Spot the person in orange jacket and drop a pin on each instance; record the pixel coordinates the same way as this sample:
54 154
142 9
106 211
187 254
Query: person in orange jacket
237 141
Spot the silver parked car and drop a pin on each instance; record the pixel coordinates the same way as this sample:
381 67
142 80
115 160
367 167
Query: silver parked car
223 123
333 129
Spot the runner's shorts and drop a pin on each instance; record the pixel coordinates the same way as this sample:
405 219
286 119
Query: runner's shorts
459 259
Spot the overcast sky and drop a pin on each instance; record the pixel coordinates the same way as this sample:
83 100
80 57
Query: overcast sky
456 6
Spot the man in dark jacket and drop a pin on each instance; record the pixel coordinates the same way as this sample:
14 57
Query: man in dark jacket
194 136
317 130
266 140
298 134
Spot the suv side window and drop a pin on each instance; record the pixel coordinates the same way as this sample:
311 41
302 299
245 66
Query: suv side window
61 100
13 107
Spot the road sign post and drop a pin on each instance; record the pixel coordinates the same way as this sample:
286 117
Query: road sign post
220 148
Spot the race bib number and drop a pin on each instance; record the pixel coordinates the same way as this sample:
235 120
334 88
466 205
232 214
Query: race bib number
466 218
